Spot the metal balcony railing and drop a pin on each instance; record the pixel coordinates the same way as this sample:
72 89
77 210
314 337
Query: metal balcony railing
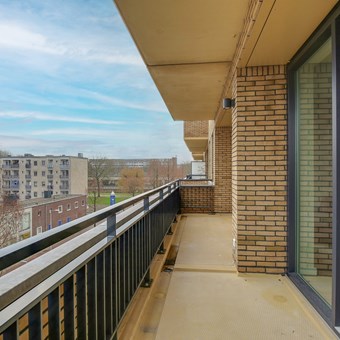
82 287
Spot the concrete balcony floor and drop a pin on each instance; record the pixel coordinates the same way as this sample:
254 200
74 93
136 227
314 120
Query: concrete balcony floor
205 298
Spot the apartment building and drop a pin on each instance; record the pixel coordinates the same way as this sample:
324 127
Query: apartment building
32 176
257 85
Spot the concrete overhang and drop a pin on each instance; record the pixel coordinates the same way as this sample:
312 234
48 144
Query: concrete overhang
198 156
192 47
196 144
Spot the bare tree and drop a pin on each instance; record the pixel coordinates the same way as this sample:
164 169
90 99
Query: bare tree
4 153
11 213
154 173
98 170
132 180
92 195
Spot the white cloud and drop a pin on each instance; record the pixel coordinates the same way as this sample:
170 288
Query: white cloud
16 36
56 118
158 106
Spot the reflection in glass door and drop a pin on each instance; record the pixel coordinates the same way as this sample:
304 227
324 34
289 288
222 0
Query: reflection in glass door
314 171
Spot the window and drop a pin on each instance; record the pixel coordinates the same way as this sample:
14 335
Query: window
39 213
43 183
76 205
26 221
43 173
35 184
60 209
60 222
35 163
68 206
39 230
35 194
83 203
43 162
35 173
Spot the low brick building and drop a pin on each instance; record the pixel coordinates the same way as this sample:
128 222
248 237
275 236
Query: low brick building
44 214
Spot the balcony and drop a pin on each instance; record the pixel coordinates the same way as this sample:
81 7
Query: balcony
93 276
65 177
64 166
196 137
49 176
10 166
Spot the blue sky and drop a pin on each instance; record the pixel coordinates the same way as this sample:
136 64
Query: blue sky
71 80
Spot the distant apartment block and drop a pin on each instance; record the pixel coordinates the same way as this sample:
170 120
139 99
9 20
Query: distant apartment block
32 176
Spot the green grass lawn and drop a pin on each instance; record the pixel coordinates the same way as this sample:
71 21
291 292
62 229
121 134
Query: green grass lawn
104 199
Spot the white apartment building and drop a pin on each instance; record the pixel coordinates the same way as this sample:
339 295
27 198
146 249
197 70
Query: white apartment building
32 176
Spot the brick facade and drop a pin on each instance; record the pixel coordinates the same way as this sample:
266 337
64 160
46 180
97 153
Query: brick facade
197 198
197 128
222 169
259 156
58 212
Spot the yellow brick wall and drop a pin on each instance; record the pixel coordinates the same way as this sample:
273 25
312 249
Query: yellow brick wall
197 128
197 199
259 169
222 169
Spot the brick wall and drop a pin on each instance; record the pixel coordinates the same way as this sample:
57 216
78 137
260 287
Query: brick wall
197 199
197 128
222 169
72 208
315 169
259 156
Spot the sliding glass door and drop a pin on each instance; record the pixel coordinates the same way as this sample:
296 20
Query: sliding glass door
313 171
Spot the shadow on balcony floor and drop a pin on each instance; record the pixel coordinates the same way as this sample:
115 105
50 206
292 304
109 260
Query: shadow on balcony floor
204 297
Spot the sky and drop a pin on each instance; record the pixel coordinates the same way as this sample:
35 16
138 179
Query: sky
72 80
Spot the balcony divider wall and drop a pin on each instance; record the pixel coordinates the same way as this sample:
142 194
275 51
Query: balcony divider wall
259 169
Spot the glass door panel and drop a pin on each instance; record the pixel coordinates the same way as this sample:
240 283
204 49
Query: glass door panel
314 171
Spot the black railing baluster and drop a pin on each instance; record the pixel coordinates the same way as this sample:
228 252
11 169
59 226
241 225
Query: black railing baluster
100 292
69 308
54 315
81 304
115 287
34 323
11 333
91 285
108 274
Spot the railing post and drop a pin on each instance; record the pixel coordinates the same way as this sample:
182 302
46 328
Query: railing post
146 203
111 226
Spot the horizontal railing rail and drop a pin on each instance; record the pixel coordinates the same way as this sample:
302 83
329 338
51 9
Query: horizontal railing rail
81 289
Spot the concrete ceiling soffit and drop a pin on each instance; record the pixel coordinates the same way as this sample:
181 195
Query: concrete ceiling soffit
281 28
191 92
184 32
196 144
